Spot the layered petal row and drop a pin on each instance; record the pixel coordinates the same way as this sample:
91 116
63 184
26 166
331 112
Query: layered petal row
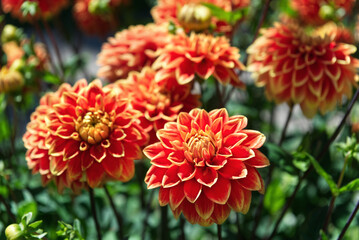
205 165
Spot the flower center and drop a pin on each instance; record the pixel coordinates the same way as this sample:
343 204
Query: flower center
94 127
199 144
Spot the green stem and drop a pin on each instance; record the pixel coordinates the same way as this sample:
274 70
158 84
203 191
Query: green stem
352 215
219 231
117 214
93 210
334 197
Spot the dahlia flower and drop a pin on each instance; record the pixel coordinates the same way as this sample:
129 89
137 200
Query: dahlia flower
205 165
37 155
91 136
131 50
159 103
199 54
308 69
310 10
93 24
46 8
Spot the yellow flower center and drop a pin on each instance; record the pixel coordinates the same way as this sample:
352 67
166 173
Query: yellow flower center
95 126
199 143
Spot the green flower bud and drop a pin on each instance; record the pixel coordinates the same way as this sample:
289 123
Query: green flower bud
327 12
14 232
194 17
99 7
9 33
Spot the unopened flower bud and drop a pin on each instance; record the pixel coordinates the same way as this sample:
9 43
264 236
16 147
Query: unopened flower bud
13 232
9 33
194 17
99 7
10 80
326 12
17 65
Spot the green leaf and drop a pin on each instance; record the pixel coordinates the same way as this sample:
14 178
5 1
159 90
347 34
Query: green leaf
332 185
279 157
27 208
301 161
51 78
230 17
29 8
35 224
275 197
352 186
323 235
26 218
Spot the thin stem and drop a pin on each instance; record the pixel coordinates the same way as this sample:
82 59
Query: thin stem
270 174
164 224
93 210
117 214
332 201
320 156
219 231
352 215
219 94
239 235
8 208
259 26
182 224
147 213
42 39
56 47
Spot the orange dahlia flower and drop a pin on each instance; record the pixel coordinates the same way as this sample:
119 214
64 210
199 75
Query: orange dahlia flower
309 10
47 8
205 165
199 54
93 24
308 69
159 103
37 155
90 136
131 50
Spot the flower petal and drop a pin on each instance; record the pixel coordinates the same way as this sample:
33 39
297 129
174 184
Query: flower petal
154 177
219 192
171 178
192 190
204 207
176 196
253 181
94 175
164 196
220 213
233 169
259 161
98 152
206 176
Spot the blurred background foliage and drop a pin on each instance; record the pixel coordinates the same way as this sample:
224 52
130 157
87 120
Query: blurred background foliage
22 192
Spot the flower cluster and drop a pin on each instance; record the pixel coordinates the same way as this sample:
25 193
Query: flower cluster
88 136
131 50
199 54
308 69
205 165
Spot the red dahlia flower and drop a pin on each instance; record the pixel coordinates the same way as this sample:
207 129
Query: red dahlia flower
199 54
309 10
159 103
308 69
205 165
47 8
131 50
93 24
337 32
91 136
37 155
